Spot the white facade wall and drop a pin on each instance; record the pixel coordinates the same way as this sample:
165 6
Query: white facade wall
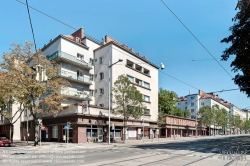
236 111
112 53
195 102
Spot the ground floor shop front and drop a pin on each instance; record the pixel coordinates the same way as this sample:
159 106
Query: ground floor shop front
94 129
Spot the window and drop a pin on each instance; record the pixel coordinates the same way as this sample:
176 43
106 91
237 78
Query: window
101 105
91 92
100 60
91 61
91 133
146 98
54 131
192 104
146 85
101 76
139 82
95 75
80 57
101 91
95 60
192 97
146 71
192 110
146 112
131 79
96 91
91 77
117 133
179 103
185 102
79 74
130 64
202 103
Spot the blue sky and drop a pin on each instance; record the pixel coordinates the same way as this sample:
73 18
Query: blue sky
148 27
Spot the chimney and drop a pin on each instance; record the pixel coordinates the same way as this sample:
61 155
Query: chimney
78 34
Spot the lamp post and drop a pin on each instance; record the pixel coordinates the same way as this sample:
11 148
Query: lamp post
27 126
120 60
142 128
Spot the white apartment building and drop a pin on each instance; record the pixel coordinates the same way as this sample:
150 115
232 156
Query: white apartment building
84 63
194 102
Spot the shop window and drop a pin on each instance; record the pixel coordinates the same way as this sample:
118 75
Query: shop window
54 131
163 132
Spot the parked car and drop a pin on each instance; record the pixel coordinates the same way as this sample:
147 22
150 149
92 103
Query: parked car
4 141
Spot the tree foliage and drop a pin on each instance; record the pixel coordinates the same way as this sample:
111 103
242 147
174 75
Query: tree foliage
19 67
167 100
240 46
126 100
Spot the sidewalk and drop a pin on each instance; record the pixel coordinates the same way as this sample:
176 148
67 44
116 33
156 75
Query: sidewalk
127 142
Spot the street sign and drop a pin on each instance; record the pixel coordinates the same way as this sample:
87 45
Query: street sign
65 127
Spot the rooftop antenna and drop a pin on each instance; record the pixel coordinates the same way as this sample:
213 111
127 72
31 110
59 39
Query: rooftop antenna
189 91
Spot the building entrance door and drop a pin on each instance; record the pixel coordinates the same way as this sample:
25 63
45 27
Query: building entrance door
100 135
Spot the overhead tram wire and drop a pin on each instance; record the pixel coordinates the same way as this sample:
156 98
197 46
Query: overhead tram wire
196 38
86 34
97 40
27 5
53 18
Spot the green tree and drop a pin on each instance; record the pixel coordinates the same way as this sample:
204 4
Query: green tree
222 118
127 101
246 126
32 91
167 101
240 46
205 116
186 114
214 115
237 122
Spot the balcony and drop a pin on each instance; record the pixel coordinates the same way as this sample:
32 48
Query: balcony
76 94
70 59
75 77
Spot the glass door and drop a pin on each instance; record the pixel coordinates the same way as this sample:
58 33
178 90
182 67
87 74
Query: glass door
100 135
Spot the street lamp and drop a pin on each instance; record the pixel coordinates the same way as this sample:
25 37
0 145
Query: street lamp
120 60
142 128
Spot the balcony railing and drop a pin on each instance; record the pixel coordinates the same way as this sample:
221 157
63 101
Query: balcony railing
69 57
74 76
77 94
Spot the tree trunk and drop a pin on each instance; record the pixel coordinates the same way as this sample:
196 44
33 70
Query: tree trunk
124 133
214 129
11 132
36 129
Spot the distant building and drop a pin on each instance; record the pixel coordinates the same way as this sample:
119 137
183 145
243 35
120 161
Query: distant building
194 102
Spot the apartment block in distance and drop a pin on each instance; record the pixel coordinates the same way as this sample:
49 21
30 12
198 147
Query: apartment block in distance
194 102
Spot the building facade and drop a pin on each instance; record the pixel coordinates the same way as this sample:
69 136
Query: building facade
84 62
194 102
181 127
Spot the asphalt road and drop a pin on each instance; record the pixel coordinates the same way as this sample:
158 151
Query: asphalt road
198 152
